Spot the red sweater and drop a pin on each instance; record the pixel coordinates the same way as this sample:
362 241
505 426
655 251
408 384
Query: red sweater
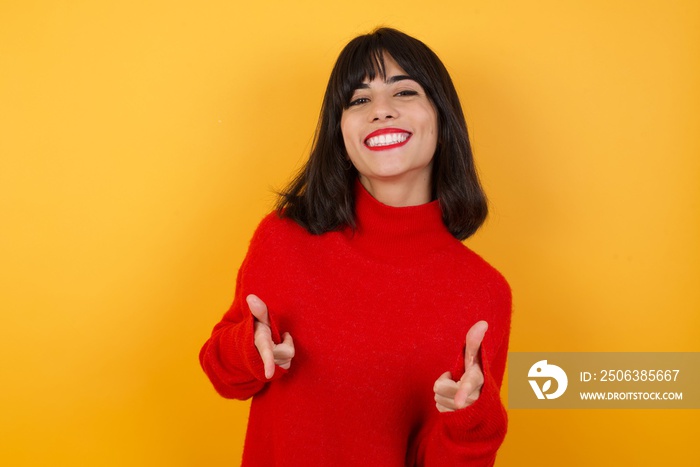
377 315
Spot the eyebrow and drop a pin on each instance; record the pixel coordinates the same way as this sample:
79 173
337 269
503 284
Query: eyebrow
390 80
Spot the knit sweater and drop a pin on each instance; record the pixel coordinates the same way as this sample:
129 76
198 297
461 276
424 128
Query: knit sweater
377 314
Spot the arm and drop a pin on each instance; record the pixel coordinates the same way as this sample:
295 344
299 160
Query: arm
472 421
245 350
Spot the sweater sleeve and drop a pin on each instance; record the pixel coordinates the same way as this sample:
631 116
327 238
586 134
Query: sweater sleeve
472 436
229 357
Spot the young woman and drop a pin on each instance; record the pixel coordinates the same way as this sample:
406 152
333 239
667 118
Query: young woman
364 330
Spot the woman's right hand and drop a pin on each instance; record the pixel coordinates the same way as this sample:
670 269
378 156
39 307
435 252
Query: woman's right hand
272 354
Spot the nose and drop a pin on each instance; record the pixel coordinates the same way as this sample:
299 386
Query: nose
382 109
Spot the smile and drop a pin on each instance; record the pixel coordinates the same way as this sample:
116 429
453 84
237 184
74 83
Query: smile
386 138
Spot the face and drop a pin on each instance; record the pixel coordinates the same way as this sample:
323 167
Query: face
390 132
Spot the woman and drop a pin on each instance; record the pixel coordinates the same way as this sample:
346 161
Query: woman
351 307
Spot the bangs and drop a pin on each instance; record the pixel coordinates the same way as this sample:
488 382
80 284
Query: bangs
364 62
363 59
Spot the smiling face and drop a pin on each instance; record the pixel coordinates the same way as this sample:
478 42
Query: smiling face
390 132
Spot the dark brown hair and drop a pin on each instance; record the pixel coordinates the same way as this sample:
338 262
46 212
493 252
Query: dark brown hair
321 197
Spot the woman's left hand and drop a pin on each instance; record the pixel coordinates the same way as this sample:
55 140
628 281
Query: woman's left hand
453 395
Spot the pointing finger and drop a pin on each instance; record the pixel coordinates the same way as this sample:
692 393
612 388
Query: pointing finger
258 309
473 342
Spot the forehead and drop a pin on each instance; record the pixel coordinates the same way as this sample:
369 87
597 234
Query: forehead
385 68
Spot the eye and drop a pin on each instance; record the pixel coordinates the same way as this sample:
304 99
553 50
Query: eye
358 101
407 92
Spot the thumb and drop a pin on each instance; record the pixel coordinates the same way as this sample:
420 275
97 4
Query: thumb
258 309
475 336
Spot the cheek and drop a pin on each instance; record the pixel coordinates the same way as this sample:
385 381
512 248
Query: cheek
349 136
432 121
429 124
344 128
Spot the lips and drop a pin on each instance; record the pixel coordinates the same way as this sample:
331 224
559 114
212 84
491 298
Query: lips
387 138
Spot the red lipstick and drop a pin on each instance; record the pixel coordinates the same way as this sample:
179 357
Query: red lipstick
387 138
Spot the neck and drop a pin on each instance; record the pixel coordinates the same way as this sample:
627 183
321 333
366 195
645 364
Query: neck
400 233
392 193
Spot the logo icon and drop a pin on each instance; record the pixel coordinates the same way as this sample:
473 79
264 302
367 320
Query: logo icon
542 370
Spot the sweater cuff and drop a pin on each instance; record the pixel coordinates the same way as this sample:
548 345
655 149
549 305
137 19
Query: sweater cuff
240 344
486 415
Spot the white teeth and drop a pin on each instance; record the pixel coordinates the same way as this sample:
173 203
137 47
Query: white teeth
386 139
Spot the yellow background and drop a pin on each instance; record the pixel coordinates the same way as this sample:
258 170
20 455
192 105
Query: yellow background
140 142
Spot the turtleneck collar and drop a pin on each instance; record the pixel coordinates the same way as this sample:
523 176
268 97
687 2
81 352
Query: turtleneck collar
392 232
